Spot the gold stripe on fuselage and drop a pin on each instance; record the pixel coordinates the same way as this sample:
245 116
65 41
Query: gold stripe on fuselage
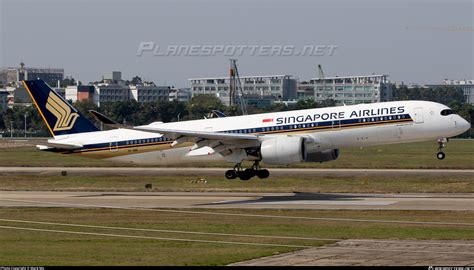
116 151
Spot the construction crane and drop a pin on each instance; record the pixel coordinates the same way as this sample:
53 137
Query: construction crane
321 78
236 93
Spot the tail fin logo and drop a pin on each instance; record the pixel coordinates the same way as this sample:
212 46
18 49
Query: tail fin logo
58 107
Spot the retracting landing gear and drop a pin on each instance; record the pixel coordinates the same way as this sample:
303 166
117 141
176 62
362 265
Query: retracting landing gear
441 144
247 173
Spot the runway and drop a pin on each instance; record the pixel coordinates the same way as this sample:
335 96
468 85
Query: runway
164 171
232 200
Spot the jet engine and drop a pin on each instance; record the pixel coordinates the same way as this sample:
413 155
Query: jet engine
322 156
283 150
294 149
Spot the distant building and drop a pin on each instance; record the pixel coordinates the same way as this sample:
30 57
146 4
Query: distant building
115 89
18 96
71 93
75 93
466 85
112 93
259 101
14 75
87 92
305 90
348 89
61 91
149 93
182 95
270 87
116 76
3 99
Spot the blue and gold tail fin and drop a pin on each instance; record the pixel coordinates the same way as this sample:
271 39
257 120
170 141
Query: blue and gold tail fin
60 117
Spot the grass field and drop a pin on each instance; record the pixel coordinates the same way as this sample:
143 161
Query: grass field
19 247
459 155
76 245
349 184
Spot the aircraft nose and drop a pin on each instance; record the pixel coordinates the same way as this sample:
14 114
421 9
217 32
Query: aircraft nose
464 125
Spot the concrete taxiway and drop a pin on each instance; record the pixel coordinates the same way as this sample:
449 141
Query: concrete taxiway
223 200
220 171
369 253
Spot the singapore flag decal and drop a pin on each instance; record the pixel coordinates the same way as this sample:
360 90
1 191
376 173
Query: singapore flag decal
268 120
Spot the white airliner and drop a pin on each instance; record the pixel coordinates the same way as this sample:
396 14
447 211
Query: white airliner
312 135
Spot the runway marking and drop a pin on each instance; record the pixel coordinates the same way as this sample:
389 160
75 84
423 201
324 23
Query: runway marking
169 231
225 242
153 238
250 215
227 234
400 250
362 203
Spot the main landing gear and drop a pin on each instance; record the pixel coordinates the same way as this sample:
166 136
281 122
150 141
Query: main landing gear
441 144
247 173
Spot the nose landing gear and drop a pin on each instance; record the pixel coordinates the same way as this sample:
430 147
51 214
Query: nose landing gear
441 144
247 173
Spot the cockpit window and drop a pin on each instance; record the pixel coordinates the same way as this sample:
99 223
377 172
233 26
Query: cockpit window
447 112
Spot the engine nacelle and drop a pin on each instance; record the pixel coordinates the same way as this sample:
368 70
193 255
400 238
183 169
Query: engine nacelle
322 156
283 150
290 150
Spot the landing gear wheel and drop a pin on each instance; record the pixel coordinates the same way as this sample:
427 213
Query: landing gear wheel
441 144
251 172
246 175
263 173
440 155
231 174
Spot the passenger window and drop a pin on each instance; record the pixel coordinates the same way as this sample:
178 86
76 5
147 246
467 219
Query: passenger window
447 112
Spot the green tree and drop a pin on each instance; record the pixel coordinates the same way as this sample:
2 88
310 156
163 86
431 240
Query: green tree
201 105
125 112
34 123
169 111
444 94
136 80
84 107
68 81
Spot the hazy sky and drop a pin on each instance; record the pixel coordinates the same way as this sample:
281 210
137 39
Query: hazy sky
411 41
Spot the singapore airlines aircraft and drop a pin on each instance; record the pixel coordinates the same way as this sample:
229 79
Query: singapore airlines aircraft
313 135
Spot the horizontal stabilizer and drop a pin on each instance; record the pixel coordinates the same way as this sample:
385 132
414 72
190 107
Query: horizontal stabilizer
65 146
105 120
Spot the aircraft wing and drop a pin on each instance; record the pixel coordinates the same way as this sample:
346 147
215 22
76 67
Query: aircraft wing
219 142
174 133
